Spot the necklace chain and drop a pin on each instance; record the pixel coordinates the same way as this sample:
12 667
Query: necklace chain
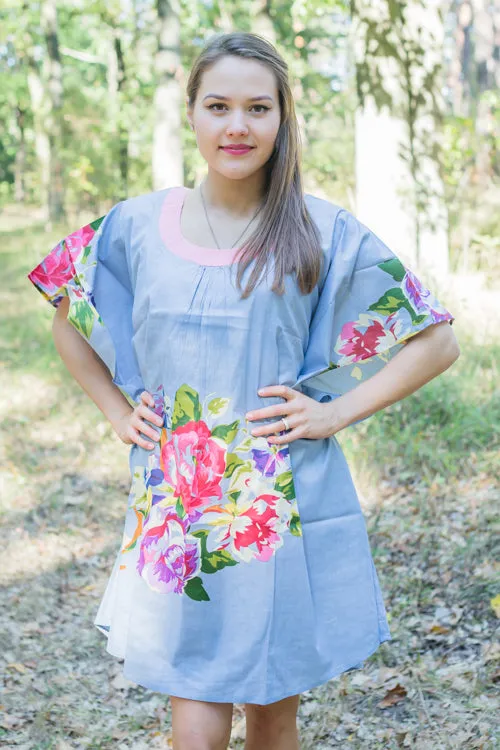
211 229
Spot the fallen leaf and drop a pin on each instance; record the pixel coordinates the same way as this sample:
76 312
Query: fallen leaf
395 695
439 629
495 605
17 666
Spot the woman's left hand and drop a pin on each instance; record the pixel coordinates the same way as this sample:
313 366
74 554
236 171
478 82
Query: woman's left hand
307 418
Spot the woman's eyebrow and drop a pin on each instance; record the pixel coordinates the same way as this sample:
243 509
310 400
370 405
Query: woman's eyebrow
226 98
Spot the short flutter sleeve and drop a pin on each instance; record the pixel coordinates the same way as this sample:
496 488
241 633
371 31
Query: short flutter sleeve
369 305
90 267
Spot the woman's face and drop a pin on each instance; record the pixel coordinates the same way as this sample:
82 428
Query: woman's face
237 105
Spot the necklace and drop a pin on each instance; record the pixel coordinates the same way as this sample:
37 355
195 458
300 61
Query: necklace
209 224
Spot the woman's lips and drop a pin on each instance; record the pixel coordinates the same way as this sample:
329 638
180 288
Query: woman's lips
236 151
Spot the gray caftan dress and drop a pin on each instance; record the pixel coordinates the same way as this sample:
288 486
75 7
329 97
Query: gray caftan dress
244 573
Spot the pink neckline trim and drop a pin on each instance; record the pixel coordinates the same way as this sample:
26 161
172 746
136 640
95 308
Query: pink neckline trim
174 240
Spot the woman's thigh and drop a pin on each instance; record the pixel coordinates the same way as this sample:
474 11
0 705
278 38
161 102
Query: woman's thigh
200 725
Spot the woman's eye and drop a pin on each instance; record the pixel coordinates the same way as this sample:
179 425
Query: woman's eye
215 105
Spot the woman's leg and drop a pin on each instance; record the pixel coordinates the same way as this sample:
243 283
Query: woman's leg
199 725
272 727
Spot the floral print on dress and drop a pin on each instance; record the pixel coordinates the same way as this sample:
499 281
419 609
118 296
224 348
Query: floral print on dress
212 496
398 314
68 271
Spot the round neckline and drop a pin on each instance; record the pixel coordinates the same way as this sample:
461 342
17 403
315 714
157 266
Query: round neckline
174 240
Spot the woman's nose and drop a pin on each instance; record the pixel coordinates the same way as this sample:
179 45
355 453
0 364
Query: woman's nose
237 124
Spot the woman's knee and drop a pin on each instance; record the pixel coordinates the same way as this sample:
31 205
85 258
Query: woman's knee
274 717
200 725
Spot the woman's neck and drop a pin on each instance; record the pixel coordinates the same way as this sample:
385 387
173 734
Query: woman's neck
238 198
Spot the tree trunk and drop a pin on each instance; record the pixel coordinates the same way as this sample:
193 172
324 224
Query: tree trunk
167 162
20 160
53 120
42 142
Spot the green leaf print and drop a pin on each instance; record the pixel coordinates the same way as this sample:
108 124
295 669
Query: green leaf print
419 319
295 526
214 561
179 508
81 316
186 407
97 223
232 462
226 432
240 473
86 252
284 484
211 562
394 268
217 405
194 589
393 300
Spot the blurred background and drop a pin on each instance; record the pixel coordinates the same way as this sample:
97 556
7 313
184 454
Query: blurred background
398 104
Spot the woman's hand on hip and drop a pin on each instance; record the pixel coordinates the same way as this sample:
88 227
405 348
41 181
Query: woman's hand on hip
133 427
306 417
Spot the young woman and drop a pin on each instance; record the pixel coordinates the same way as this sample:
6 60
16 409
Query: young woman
228 332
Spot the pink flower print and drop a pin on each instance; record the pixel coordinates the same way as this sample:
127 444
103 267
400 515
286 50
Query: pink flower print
54 271
259 529
362 339
249 529
194 464
168 556
78 240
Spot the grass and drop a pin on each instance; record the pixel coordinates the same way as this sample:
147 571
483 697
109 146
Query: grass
448 428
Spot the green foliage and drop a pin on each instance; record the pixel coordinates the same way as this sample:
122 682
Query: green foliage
445 428
305 32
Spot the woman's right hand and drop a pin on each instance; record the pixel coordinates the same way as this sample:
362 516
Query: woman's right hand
132 427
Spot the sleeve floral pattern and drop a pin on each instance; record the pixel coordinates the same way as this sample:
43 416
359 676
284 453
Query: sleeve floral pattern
89 267
370 305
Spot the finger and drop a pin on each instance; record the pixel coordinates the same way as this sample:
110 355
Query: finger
277 390
270 428
147 398
276 410
287 437
139 440
146 429
145 413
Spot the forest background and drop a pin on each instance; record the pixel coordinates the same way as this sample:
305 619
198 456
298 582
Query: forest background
92 111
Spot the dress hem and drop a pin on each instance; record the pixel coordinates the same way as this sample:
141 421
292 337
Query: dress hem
202 695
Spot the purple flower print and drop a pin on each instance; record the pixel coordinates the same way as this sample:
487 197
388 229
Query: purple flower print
168 556
270 462
159 401
155 478
422 299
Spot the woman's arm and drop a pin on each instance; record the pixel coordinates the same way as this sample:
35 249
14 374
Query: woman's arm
96 380
423 357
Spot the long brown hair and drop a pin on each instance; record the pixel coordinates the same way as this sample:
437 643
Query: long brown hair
285 225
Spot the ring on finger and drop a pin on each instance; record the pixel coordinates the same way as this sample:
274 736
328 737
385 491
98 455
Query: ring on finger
286 423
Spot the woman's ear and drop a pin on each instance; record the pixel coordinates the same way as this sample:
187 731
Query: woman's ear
189 114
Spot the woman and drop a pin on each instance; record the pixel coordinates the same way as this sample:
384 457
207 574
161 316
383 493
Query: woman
228 332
